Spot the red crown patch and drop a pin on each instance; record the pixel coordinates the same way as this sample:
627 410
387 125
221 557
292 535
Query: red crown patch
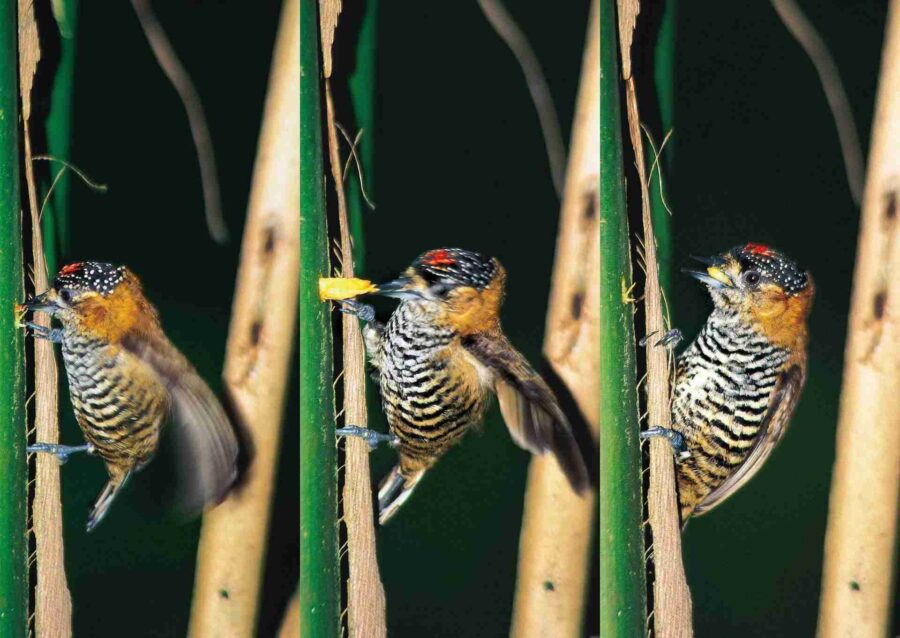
758 249
440 257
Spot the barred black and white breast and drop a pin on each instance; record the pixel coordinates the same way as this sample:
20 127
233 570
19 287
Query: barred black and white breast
120 407
738 383
431 392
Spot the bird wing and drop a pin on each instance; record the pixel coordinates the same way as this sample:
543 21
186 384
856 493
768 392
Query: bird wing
531 412
773 428
206 441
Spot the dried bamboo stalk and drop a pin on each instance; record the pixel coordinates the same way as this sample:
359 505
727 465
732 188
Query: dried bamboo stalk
861 536
52 600
672 608
554 547
290 623
258 354
365 592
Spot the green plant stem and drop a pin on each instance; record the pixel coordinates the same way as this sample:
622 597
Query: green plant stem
362 94
622 572
55 220
319 564
13 468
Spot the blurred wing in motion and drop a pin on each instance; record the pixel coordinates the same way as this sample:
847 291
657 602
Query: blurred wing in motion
204 437
531 412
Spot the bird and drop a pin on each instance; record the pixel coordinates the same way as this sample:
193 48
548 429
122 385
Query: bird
438 360
126 380
737 384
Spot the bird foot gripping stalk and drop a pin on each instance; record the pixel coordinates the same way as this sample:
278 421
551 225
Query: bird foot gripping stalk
364 312
669 339
61 452
43 332
371 437
675 439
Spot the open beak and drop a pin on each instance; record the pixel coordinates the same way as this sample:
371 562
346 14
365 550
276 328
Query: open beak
41 303
400 288
714 276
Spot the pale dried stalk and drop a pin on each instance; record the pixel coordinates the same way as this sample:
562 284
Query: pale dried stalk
329 11
862 516
52 600
290 623
365 593
555 542
258 354
672 608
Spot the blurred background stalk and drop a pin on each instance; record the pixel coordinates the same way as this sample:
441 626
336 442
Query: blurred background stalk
227 592
13 469
858 579
622 571
319 564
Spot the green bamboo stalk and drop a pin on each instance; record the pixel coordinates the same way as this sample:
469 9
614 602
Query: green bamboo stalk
55 221
319 564
13 469
362 95
622 572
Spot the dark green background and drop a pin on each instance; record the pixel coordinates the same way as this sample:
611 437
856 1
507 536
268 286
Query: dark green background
756 158
459 161
134 574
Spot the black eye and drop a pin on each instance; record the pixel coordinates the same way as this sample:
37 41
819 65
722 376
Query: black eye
442 287
66 295
751 278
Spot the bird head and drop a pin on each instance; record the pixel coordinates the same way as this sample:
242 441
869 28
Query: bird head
762 285
464 288
103 299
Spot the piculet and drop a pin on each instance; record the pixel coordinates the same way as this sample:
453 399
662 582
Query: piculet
127 380
438 360
737 384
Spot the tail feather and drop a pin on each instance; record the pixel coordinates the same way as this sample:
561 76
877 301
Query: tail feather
106 498
393 492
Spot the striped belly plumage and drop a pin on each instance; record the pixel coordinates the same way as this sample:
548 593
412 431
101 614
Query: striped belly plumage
119 406
725 382
430 395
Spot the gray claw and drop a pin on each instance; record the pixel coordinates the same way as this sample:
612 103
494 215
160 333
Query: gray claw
371 437
675 439
43 332
672 338
364 312
61 452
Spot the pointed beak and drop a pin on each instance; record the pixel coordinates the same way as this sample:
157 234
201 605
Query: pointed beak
400 288
714 276
41 303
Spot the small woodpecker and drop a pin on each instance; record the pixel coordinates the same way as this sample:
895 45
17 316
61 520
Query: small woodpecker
737 384
439 358
126 379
